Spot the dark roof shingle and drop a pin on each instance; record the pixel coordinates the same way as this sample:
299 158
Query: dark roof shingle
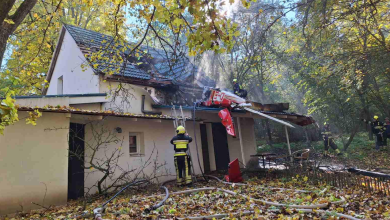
91 41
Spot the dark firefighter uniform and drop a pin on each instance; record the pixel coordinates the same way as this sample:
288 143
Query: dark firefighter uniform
237 88
182 160
378 129
328 139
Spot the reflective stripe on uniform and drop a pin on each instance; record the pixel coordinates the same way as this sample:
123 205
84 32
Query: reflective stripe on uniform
180 154
181 144
378 127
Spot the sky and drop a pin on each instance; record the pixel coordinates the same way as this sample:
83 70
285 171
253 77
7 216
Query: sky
230 8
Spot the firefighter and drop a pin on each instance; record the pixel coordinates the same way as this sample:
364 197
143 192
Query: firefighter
378 129
182 160
328 140
237 88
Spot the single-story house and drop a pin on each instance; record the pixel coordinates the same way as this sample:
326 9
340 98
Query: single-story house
94 123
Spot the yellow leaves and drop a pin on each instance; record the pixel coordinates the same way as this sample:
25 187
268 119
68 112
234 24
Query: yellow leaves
340 209
305 178
260 11
177 22
48 45
33 116
9 21
35 15
246 4
192 53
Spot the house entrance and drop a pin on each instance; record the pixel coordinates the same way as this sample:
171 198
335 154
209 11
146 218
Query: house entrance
76 161
221 149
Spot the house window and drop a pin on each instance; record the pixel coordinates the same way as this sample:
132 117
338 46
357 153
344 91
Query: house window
136 144
133 144
60 86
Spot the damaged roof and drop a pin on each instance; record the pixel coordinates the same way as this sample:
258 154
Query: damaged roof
159 68
297 119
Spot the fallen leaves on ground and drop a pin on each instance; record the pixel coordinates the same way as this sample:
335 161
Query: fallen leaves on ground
132 205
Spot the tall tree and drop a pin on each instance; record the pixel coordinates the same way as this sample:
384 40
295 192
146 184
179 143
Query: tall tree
12 13
204 27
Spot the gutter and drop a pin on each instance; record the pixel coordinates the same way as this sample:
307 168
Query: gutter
147 112
64 95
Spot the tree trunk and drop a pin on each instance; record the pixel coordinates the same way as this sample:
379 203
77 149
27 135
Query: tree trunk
14 20
268 130
353 133
307 138
3 43
267 136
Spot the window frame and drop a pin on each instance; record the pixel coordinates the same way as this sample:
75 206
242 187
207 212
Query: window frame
60 85
139 138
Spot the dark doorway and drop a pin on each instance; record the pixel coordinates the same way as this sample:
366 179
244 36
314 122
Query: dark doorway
221 149
205 148
76 161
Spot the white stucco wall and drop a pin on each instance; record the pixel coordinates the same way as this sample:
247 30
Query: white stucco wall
90 106
129 99
159 132
31 158
75 80
210 144
248 140
41 102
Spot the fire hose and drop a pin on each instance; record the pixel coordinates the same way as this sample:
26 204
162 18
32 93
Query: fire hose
302 208
97 212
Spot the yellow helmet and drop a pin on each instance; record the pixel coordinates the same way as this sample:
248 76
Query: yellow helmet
376 117
180 130
234 80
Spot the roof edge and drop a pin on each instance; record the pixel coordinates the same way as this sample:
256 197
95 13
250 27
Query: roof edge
54 60
58 96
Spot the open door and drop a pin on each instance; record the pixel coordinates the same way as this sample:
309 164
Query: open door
221 149
75 163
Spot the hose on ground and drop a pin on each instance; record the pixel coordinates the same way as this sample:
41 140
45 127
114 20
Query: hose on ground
243 184
252 212
305 208
158 205
324 205
196 143
98 211
123 189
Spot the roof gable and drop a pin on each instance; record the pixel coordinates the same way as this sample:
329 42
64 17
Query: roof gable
157 67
